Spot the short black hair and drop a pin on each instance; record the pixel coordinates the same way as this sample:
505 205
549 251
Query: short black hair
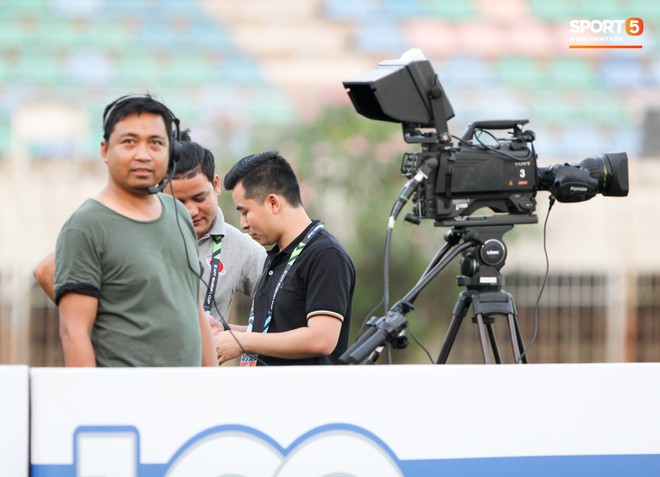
194 159
136 104
262 174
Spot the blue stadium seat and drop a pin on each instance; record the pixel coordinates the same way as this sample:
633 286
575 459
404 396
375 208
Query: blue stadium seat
380 38
89 67
351 10
463 71
625 72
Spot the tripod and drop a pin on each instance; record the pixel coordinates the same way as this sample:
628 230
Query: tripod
480 241
480 267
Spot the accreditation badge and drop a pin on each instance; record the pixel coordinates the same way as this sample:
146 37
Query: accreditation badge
248 359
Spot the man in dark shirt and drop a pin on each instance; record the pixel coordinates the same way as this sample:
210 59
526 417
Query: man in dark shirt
301 309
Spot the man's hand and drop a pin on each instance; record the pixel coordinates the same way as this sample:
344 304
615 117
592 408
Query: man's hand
216 326
227 345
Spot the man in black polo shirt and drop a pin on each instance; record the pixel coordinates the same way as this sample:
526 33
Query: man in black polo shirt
301 309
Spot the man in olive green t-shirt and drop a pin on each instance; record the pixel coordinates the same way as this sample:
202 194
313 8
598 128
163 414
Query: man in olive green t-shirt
126 281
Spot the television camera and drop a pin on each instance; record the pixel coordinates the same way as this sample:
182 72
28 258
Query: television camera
449 182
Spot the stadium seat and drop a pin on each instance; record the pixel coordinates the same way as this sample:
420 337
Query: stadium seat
402 11
625 72
451 10
604 108
434 37
380 38
520 72
141 69
37 69
575 73
89 67
352 10
557 109
188 70
466 71
554 10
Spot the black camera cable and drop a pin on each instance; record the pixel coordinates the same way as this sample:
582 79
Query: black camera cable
404 196
543 283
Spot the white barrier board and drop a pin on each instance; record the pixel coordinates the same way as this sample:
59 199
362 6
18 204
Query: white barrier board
14 421
361 421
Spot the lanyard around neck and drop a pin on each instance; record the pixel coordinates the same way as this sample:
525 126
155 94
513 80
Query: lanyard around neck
294 256
213 279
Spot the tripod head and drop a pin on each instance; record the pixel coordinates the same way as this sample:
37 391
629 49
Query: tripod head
483 260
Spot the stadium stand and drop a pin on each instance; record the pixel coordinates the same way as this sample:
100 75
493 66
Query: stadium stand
83 49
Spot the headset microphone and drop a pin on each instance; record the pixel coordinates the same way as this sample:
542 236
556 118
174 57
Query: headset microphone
158 188
168 178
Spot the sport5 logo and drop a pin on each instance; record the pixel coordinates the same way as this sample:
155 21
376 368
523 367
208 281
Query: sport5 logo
633 26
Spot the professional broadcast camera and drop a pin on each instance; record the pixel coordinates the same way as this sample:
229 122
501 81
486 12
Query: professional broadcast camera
456 181
448 183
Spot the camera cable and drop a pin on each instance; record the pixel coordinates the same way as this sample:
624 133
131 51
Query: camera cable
543 283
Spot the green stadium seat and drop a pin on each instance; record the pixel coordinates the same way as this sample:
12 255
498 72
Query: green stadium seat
607 9
54 34
141 70
189 70
555 10
37 69
451 9
396 10
20 7
520 72
556 109
108 33
13 35
574 73
605 109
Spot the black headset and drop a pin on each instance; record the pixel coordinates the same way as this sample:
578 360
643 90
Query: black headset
175 139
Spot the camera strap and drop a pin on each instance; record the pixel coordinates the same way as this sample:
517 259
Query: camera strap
250 359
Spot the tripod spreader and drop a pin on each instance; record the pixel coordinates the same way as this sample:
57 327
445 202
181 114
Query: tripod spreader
381 331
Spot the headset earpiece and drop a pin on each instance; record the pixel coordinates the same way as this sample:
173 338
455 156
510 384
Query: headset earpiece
175 142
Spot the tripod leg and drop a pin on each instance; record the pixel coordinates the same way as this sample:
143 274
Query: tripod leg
519 341
452 331
460 309
514 337
493 343
482 337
